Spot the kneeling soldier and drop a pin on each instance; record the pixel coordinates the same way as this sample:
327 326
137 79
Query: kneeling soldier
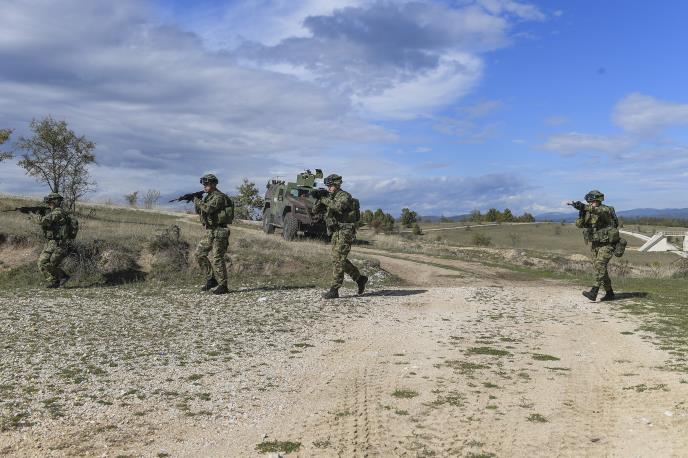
59 228
341 215
216 212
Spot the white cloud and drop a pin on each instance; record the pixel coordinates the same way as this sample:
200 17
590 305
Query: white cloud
398 59
574 142
451 79
646 115
519 9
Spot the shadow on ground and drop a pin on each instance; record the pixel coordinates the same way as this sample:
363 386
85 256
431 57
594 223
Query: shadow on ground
271 288
636 294
395 292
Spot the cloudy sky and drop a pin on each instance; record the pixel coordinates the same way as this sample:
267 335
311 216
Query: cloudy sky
439 105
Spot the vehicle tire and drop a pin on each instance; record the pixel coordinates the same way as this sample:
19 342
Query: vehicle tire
291 225
268 227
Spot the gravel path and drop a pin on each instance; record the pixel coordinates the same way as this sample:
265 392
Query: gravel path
473 366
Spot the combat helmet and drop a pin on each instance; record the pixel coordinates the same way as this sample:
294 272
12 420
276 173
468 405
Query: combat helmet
53 197
209 178
594 195
333 179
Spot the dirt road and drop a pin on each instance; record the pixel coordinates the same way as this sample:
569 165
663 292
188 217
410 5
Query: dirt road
465 362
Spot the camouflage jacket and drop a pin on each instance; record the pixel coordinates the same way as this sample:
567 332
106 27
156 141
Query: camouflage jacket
209 208
54 224
337 207
600 224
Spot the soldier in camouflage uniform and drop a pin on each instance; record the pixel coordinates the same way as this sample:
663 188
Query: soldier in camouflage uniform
600 226
338 208
54 224
214 210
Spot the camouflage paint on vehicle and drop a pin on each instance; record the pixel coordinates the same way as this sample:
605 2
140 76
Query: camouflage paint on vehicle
288 205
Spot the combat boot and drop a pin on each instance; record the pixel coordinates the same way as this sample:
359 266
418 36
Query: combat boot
608 296
64 279
592 294
361 282
222 289
210 284
333 293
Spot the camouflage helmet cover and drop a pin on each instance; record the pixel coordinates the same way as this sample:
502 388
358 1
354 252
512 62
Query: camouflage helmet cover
594 195
333 179
209 178
53 197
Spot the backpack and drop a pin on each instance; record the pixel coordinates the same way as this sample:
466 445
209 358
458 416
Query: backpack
69 229
226 215
355 212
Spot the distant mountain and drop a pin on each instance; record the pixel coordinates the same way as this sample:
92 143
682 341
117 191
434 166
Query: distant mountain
681 213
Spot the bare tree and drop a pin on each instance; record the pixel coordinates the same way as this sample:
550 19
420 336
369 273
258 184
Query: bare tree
4 136
56 156
132 199
151 198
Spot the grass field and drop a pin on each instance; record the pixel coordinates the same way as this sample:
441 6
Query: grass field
555 238
122 245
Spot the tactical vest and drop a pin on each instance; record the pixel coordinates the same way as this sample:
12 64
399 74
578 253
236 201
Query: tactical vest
350 215
65 229
222 217
600 225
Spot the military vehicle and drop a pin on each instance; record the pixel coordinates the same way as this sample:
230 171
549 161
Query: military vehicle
290 207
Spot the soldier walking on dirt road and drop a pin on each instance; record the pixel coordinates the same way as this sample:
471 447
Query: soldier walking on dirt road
601 230
342 213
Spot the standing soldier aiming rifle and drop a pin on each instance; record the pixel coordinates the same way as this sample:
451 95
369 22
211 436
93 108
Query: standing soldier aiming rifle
601 229
342 213
216 212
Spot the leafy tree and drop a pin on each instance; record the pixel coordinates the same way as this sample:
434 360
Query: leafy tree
4 136
527 218
493 215
507 215
132 199
417 230
382 222
367 216
248 203
408 217
56 156
476 216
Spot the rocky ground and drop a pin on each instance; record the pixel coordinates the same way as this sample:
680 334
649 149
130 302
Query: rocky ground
467 361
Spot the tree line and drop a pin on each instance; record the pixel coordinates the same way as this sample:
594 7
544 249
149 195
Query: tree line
495 216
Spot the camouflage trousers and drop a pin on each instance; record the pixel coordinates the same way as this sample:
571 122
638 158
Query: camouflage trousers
215 240
601 255
50 259
341 246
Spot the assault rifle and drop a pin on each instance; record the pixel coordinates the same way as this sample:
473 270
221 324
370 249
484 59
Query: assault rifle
318 193
40 209
578 205
188 197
